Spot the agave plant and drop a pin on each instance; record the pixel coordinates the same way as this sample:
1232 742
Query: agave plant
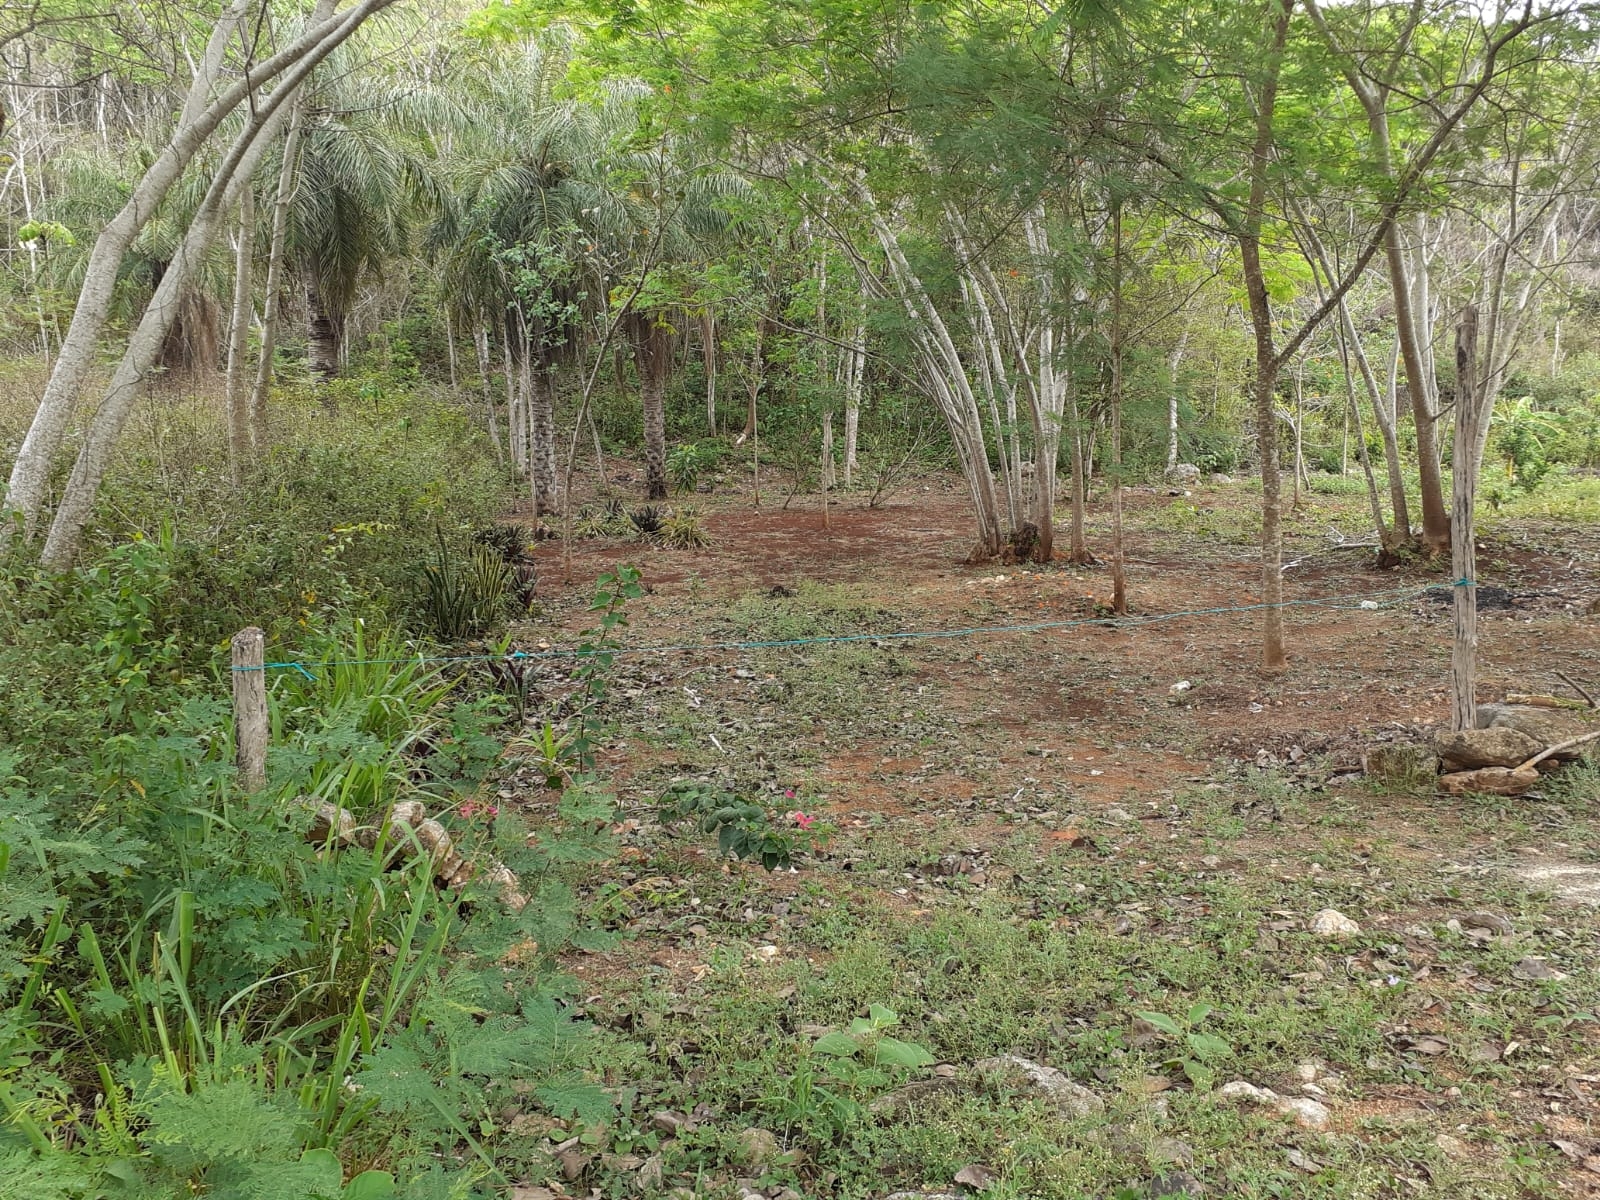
464 596
646 520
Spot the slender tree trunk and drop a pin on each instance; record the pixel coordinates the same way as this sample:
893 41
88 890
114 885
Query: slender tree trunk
517 425
855 369
238 400
272 305
542 440
450 348
232 175
1172 400
480 343
1267 366
1463 552
708 347
758 373
827 465
653 348
322 334
1119 571
1386 409
76 355
1419 382
1353 414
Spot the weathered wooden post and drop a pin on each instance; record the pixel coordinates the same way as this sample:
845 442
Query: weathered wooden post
1463 553
250 707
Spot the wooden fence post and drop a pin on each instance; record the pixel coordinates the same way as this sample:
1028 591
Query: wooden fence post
250 707
1463 553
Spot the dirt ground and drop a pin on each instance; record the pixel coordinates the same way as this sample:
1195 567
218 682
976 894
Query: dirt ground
1141 760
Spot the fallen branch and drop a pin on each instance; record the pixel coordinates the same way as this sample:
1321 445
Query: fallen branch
1557 749
1508 781
1577 687
1544 701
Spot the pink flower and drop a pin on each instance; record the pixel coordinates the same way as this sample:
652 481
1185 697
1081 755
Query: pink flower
802 820
788 794
468 808
493 810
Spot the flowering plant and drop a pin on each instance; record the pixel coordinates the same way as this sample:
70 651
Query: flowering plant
744 829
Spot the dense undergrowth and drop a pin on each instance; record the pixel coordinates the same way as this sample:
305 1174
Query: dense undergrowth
194 997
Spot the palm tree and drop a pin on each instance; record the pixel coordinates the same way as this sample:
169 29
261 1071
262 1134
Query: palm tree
361 173
519 232
90 188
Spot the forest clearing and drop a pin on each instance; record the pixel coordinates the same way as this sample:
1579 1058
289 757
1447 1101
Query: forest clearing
799 600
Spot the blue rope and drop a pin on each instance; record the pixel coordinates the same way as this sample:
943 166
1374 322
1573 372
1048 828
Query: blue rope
844 639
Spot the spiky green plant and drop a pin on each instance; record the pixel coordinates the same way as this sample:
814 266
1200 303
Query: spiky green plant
683 530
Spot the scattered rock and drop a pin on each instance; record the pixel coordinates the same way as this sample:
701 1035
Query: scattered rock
1172 1151
1497 746
1177 1183
1401 764
1184 473
668 1121
1536 970
1308 1113
1241 1092
1330 922
1073 1099
1490 781
1218 477
1493 922
1307 1072
1301 1161
1119 816
918 1090
757 1147
922 1196
1547 726
975 1176
1452 1146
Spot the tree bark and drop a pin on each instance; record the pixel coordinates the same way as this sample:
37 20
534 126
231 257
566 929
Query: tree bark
855 370
708 347
1172 400
653 352
272 306
480 343
323 335
542 439
1119 573
1419 383
238 400
1463 551
1249 239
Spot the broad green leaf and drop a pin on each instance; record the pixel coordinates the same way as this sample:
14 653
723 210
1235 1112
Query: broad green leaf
903 1054
370 1185
1209 1046
1161 1021
839 1045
